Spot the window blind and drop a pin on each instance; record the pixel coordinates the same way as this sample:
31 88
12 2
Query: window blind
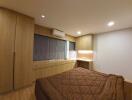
47 48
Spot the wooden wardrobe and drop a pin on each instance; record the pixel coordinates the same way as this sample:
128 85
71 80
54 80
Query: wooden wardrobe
16 50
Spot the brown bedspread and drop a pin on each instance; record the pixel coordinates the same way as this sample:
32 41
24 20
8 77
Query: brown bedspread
80 84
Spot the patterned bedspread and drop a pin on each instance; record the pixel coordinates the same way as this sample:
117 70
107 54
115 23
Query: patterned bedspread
80 84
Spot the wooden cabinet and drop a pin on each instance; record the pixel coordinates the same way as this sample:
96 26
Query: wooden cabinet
7 36
84 42
83 64
23 51
16 45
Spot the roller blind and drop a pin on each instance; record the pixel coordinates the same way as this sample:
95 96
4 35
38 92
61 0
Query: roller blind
46 48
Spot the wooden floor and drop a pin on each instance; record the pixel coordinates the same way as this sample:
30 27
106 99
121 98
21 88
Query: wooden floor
23 94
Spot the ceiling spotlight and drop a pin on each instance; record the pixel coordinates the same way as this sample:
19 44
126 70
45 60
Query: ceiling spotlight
78 32
42 16
111 23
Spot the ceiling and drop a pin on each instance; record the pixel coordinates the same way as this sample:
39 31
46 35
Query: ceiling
70 16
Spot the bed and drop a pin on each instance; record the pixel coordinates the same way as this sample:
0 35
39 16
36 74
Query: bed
80 84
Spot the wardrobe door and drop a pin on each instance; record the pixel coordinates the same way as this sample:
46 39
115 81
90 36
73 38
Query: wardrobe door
23 51
7 34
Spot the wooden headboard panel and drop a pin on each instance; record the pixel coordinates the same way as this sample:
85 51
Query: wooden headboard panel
51 67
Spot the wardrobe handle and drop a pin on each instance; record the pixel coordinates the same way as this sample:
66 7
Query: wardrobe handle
14 54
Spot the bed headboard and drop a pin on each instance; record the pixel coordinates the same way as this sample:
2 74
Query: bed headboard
51 67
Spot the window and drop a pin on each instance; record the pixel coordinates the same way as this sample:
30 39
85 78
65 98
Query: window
71 50
46 48
72 46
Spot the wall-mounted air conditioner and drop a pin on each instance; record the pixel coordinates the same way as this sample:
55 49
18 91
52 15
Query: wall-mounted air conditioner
58 33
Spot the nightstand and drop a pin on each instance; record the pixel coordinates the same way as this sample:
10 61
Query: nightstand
84 64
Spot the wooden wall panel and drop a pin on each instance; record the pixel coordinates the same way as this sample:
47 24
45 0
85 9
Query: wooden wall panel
84 42
48 68
70 38
7 34
23 51
48 32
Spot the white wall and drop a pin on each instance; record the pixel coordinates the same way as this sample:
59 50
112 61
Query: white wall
114 53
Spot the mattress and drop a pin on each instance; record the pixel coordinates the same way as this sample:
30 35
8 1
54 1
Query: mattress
80 84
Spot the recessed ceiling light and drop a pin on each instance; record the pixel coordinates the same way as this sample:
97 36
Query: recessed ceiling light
79 32
42 16
111 23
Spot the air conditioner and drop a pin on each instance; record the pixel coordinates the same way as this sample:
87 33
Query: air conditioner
58 33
